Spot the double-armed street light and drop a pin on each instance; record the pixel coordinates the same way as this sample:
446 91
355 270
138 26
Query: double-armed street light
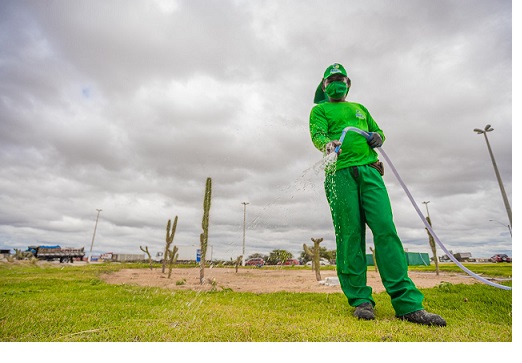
502 224
487 129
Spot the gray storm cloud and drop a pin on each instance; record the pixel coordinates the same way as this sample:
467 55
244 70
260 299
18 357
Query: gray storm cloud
128 107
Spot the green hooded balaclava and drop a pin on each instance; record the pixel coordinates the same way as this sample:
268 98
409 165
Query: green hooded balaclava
336 68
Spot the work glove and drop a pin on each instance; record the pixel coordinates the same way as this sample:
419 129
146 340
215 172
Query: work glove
375 140
330 147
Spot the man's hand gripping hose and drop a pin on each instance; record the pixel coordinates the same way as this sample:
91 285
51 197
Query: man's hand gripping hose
368 136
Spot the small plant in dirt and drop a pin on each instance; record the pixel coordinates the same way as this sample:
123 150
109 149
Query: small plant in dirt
446 286
238 262
181 282
213 282
146 250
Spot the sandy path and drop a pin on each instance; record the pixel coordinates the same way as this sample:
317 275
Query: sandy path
262 280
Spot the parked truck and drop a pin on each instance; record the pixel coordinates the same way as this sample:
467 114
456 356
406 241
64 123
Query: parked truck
459 256
127 257
463 257
52 253
186 254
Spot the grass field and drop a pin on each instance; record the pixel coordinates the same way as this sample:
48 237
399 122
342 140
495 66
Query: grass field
55 303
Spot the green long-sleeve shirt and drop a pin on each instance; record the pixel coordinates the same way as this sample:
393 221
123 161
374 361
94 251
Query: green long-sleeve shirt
327 121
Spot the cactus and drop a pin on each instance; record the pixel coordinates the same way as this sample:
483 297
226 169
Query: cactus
172 259
23 255
146 250
168 239
313 252
433 247
203 238
374 259
239 259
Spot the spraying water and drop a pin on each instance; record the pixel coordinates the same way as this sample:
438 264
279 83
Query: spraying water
332 157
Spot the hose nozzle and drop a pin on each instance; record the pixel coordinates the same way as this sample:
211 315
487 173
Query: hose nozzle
354 129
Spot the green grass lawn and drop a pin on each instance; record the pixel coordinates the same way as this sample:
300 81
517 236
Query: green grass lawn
69 303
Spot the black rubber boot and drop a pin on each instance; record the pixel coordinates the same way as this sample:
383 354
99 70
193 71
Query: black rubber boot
364 311
423 317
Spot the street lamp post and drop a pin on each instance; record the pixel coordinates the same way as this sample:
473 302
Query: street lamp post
508 226
94 234
427 211
244 232
487 129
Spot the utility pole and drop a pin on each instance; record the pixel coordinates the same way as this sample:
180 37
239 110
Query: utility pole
244 232
487 129
94 234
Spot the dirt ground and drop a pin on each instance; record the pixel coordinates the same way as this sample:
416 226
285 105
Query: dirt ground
263 280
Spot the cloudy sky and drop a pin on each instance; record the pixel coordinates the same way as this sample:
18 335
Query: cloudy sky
128 107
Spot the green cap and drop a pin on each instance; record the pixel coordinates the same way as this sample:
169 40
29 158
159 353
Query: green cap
335 68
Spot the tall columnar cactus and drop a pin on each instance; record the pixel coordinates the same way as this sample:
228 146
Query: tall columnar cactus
168 241
374 259
146 250
433 247
203 238
313 252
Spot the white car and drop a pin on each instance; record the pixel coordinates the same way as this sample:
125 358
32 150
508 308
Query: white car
322 262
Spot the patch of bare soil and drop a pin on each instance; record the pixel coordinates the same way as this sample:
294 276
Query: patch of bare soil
262 280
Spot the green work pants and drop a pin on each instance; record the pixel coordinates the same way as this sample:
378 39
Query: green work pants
358 196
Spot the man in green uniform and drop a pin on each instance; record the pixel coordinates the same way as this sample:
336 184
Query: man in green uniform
357 196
